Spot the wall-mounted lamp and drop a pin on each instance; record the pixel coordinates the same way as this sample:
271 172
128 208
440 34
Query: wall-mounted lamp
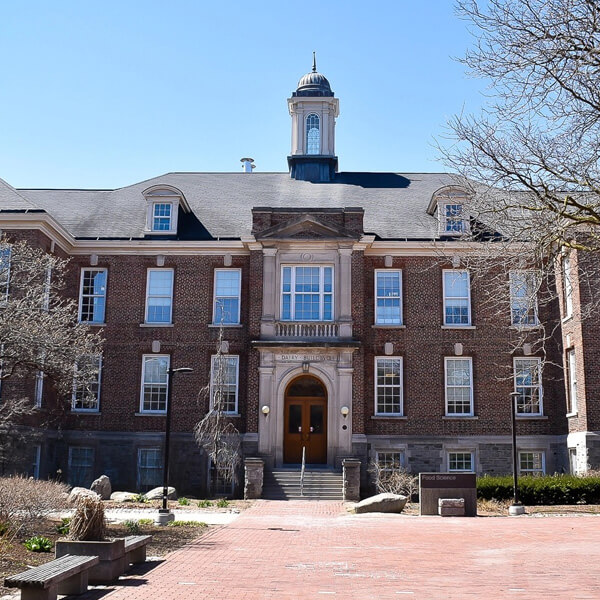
345 411
305 367
265 410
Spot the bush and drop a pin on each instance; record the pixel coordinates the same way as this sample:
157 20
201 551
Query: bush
38 543
133 527
183 501
63 528
223 503
186 524
145 522
142 498
25 501
542 490
204 503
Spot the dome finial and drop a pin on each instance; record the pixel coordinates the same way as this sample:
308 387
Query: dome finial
314 62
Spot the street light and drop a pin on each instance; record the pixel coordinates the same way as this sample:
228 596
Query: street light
517 508
164 515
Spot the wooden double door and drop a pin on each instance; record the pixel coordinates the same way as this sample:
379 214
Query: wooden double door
305 421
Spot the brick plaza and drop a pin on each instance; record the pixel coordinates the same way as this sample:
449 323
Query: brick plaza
306 550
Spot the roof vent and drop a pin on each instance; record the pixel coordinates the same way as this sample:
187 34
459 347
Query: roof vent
247 165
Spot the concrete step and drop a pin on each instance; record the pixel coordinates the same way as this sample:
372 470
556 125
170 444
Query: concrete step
319 484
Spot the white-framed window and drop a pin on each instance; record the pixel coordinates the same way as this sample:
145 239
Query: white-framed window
523 298
5 253
457 297
307 293
86 384
388 297
81 466
224 378
388 386
453 218
149 468
38 394
532 462
313 134
35 463
227 290
571 381
155 380
159 296
92 295
567 286
461 460
162 216
459 386
528 384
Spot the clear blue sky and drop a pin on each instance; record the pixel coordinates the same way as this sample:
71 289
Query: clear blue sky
104 94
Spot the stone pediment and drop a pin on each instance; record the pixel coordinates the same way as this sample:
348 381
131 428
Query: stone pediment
305 227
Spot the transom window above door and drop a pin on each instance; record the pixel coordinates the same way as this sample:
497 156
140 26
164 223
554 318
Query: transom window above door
307 293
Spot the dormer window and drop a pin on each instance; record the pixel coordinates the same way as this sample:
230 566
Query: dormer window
162 214
164 203
450 202
453 220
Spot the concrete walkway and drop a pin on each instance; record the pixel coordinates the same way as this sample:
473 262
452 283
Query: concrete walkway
311 550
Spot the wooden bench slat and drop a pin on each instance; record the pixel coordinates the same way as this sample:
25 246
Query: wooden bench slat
52 572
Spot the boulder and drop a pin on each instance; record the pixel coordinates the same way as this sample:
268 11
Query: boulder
102 487
80 492
393 503
156 493
123 496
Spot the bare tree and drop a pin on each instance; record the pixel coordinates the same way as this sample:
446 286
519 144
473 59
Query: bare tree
40 335
215 432
536 145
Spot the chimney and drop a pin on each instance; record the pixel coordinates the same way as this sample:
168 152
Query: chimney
247 165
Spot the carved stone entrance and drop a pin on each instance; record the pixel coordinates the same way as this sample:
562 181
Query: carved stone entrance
305 421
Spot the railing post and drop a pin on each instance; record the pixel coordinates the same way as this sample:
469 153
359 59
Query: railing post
302 470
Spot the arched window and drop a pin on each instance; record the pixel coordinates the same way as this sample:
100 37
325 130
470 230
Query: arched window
313 136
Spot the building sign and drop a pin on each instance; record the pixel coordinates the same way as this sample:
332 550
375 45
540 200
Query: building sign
448 480
435 486
304 357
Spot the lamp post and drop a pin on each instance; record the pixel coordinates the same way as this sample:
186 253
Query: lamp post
164 515
517 508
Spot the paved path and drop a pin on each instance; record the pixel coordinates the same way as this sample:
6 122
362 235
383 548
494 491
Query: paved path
314 550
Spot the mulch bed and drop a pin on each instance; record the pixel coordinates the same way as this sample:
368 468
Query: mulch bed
14 557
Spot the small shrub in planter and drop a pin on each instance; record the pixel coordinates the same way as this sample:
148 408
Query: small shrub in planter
223 503
204 503
141 498
183 501
145 522
38 543
186 524
63 528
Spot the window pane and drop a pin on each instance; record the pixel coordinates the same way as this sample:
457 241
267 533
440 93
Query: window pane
456 283
388 307
460 461
313 145
155 383
224 383
81 466
227 296
307 293
150 468
162 217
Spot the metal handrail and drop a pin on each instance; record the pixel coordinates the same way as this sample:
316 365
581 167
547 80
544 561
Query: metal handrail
302 470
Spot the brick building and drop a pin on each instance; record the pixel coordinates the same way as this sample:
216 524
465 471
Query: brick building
351 323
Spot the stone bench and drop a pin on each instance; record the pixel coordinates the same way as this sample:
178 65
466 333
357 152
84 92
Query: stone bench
451 507
135 548
65 575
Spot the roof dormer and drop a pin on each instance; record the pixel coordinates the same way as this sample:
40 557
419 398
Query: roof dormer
451 204
164 202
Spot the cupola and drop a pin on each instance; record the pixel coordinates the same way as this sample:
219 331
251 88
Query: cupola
313 109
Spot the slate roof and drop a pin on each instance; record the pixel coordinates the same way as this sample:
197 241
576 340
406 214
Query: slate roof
10 199
395 204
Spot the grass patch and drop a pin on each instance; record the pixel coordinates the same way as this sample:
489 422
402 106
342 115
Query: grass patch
187 524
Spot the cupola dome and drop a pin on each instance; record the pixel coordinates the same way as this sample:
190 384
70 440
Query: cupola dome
313 84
